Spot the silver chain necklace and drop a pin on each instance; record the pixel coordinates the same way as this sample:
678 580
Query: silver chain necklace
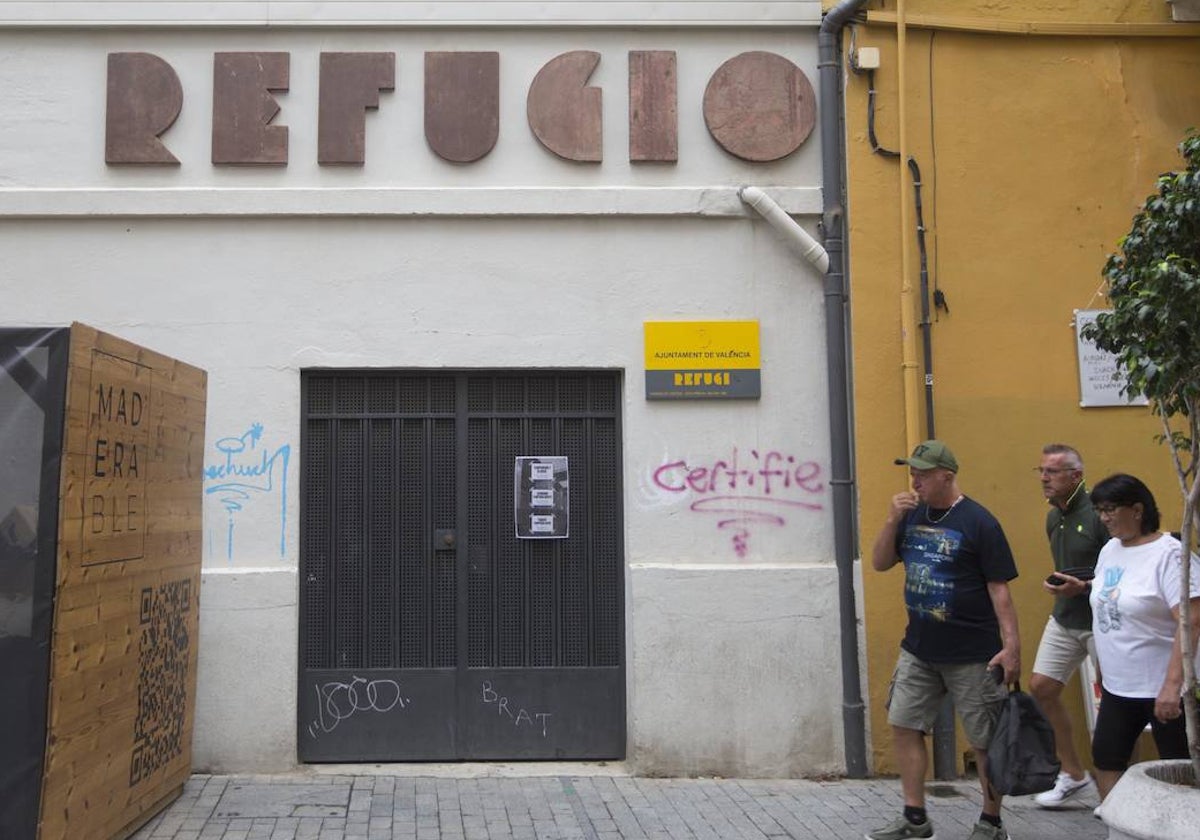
933 521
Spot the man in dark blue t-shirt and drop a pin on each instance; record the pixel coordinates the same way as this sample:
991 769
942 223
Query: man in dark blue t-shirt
961 624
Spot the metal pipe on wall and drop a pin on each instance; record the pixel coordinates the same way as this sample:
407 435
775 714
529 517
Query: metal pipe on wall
841 481
908 313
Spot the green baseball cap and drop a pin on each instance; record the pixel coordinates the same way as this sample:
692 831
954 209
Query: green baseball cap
930 455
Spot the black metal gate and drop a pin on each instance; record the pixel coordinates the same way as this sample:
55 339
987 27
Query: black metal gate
428 630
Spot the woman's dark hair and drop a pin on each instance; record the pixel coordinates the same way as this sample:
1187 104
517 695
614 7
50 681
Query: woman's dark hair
1123 489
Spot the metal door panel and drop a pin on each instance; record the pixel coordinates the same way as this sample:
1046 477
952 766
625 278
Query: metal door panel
413 579
376 714
542 713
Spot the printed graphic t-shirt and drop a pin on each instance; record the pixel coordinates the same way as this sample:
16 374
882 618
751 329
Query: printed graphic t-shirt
948 563
1133 594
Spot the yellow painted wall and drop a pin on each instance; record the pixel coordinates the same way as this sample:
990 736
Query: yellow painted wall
1035 151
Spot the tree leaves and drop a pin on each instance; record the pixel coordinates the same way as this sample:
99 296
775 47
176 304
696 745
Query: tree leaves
1154 288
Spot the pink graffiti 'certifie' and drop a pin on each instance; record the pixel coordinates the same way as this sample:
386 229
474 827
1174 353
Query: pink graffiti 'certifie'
754 490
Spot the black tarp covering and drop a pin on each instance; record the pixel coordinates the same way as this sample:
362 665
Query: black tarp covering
33 373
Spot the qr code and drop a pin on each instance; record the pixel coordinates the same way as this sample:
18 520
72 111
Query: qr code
162 678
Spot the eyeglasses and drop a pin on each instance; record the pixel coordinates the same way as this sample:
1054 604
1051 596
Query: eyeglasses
1054 470
1107 510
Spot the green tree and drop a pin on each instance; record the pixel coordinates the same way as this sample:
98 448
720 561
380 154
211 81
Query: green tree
1154 330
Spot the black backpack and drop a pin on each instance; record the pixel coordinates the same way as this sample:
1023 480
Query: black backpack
1022 758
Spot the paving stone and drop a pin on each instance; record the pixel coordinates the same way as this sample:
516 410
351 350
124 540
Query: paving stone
302 806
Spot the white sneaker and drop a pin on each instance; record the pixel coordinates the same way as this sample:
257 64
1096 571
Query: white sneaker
1063 789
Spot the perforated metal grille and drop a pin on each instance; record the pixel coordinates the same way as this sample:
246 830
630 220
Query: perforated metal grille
603 395
414 395
444 565
351 396
481 490
315 529
479 394
509 559
381 396
381 467
541 394
442 395
537 603
379 478
381 537
572 395
510 395
576 556
413 519
320 396
349 542
606 546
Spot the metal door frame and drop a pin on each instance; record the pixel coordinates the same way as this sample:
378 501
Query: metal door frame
547 679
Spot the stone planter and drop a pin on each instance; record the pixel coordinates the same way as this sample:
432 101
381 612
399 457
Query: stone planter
1154 800
1185 10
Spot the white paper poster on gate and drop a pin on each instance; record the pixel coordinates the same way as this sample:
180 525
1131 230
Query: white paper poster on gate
541 499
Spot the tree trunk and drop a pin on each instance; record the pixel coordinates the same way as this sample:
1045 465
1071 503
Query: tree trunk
1191 709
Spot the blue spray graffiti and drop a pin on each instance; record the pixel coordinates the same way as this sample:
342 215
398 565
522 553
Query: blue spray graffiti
245 471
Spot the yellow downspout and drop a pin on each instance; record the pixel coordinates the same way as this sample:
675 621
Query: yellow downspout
908 302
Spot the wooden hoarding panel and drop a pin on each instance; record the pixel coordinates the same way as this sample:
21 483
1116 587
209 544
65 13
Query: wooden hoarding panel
123 673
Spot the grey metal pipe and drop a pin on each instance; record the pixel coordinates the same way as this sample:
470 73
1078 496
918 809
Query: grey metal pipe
841 480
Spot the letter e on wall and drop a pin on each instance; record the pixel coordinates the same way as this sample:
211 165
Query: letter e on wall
243 107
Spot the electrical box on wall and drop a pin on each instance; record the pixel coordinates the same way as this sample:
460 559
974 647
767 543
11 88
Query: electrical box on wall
866 58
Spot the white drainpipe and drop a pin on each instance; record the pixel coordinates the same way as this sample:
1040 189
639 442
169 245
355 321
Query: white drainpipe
776 217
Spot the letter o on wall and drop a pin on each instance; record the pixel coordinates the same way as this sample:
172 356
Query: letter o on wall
759 106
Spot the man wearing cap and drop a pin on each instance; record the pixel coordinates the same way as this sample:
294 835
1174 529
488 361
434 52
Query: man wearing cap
961 625
1076 537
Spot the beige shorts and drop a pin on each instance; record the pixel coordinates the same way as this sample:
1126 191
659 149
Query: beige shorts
918 688
1062 650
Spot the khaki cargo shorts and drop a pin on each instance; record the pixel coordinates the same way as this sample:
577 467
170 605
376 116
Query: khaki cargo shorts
1062 650
918 688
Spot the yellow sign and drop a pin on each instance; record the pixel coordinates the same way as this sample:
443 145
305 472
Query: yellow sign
702 360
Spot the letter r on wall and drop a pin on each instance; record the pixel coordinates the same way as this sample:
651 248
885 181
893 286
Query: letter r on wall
144 99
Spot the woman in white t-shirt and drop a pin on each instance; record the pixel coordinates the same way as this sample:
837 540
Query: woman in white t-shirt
1135 619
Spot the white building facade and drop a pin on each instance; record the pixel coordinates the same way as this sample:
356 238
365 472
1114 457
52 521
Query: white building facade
386 337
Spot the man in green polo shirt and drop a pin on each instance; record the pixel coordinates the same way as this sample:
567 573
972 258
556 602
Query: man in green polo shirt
1076 537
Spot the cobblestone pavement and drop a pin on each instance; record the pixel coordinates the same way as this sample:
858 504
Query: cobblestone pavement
311 805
